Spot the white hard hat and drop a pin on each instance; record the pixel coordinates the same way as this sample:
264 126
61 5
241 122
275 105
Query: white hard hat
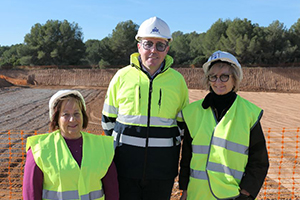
226 57
62 93
154 27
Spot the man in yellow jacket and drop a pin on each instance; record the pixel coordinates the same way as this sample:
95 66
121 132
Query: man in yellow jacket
140 111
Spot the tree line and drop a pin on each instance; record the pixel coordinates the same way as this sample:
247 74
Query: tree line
61 43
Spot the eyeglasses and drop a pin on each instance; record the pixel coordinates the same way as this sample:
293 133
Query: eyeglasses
223 78
161 47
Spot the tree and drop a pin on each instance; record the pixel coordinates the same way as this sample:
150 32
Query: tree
122 42
196 49
99 51
294 38
277 46
55 43
92 51
10 56
239 35
211 41
179 48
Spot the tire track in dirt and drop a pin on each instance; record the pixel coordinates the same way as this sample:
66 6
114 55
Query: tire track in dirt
27 109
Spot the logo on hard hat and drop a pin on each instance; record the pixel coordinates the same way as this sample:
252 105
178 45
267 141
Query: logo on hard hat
215 56
155 30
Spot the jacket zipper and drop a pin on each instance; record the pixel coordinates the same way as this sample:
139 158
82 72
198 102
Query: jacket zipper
148 129
159 100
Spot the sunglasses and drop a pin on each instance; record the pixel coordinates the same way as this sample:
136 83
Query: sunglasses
160 46
223 78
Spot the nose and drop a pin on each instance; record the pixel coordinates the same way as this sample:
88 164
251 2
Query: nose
153 48
72 118
218 80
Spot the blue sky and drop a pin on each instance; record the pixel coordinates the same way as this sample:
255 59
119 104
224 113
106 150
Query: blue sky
98 18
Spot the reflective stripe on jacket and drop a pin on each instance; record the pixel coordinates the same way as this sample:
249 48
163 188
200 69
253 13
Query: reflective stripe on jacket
220 150
146 111
63 179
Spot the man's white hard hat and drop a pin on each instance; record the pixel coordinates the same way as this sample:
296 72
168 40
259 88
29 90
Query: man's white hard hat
60 94
154 27
225 57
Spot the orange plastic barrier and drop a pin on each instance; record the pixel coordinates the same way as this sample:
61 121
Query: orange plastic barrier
282 182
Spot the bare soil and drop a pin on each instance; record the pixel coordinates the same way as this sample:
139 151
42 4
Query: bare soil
24 107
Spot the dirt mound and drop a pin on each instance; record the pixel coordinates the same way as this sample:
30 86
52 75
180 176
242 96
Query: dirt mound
6 81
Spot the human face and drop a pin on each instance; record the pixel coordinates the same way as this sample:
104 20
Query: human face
152 58
70 119
219 87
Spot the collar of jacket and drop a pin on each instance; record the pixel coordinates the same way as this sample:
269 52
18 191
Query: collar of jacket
226 99
134 61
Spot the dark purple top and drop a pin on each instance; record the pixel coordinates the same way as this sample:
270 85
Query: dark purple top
33 176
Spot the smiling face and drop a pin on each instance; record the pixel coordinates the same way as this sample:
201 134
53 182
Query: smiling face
219 87
70 119
152 58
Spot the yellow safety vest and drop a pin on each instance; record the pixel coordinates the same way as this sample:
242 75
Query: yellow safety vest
63 179
220 149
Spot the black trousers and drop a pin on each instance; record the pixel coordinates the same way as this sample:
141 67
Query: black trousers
137 189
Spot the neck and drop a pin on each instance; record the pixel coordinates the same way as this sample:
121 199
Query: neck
71 136
150 70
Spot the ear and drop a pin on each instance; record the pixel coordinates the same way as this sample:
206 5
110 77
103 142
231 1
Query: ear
139 46
167 49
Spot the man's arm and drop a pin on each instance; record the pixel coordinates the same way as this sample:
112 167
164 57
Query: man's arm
108 124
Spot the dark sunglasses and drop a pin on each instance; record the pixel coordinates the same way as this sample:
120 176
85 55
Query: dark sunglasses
160 46
223 78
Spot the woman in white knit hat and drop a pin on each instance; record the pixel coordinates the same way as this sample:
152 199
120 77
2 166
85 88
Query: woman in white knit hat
69 163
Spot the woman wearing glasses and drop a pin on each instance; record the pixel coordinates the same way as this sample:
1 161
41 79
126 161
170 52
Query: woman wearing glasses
224 152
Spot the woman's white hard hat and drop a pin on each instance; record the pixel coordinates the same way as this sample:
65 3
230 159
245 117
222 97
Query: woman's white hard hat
225 57
154 27
60 94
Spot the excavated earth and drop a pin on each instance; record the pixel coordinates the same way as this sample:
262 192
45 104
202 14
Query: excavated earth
25 107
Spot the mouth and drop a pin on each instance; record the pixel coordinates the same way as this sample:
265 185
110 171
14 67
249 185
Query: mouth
72 126
152 57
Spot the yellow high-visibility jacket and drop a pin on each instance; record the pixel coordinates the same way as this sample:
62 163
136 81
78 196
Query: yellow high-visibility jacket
141 113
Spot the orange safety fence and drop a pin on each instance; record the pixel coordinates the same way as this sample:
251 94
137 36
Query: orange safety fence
282 181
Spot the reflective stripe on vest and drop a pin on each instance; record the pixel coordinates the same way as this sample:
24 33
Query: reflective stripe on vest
232 146
47 194
215 167
198 174
141 142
